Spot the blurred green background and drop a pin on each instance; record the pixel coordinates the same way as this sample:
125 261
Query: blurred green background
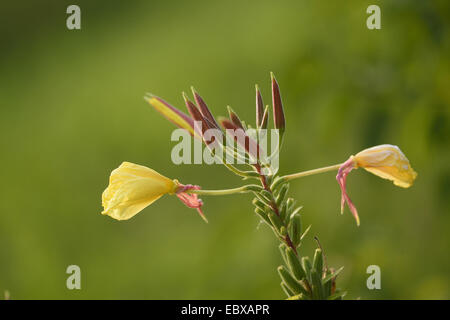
72 110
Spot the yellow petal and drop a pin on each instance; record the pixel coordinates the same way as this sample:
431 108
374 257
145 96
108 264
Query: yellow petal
388 162
132 188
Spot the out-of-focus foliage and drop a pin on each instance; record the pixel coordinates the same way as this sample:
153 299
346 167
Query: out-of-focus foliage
72 110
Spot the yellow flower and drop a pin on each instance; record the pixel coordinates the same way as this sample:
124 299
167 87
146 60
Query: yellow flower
388 162
132 188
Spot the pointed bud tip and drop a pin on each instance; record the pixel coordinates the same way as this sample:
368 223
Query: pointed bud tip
272 76
148 96
222 119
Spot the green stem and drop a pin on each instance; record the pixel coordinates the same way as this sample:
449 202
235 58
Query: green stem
311 172
243 189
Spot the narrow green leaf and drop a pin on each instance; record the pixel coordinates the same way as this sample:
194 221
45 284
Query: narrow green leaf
295 228
290 203
253 187
259 204
294 265
297 210
338 295
306 264
267 195
318 292
305 233
282 248
286 290
262 198
276 221
282 194
332 275
327 285
283 213
277 183
318 261
269 179
290 281
263 215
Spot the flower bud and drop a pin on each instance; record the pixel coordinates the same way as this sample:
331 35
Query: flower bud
259 107
171 113
234 118
265 118
204 109
278 112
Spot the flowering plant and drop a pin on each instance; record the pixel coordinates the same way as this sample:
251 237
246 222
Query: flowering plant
133 187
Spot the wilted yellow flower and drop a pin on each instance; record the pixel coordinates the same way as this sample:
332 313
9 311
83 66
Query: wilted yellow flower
132 188
386 161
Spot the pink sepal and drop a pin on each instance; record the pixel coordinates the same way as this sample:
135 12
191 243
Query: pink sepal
341 178
191 199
